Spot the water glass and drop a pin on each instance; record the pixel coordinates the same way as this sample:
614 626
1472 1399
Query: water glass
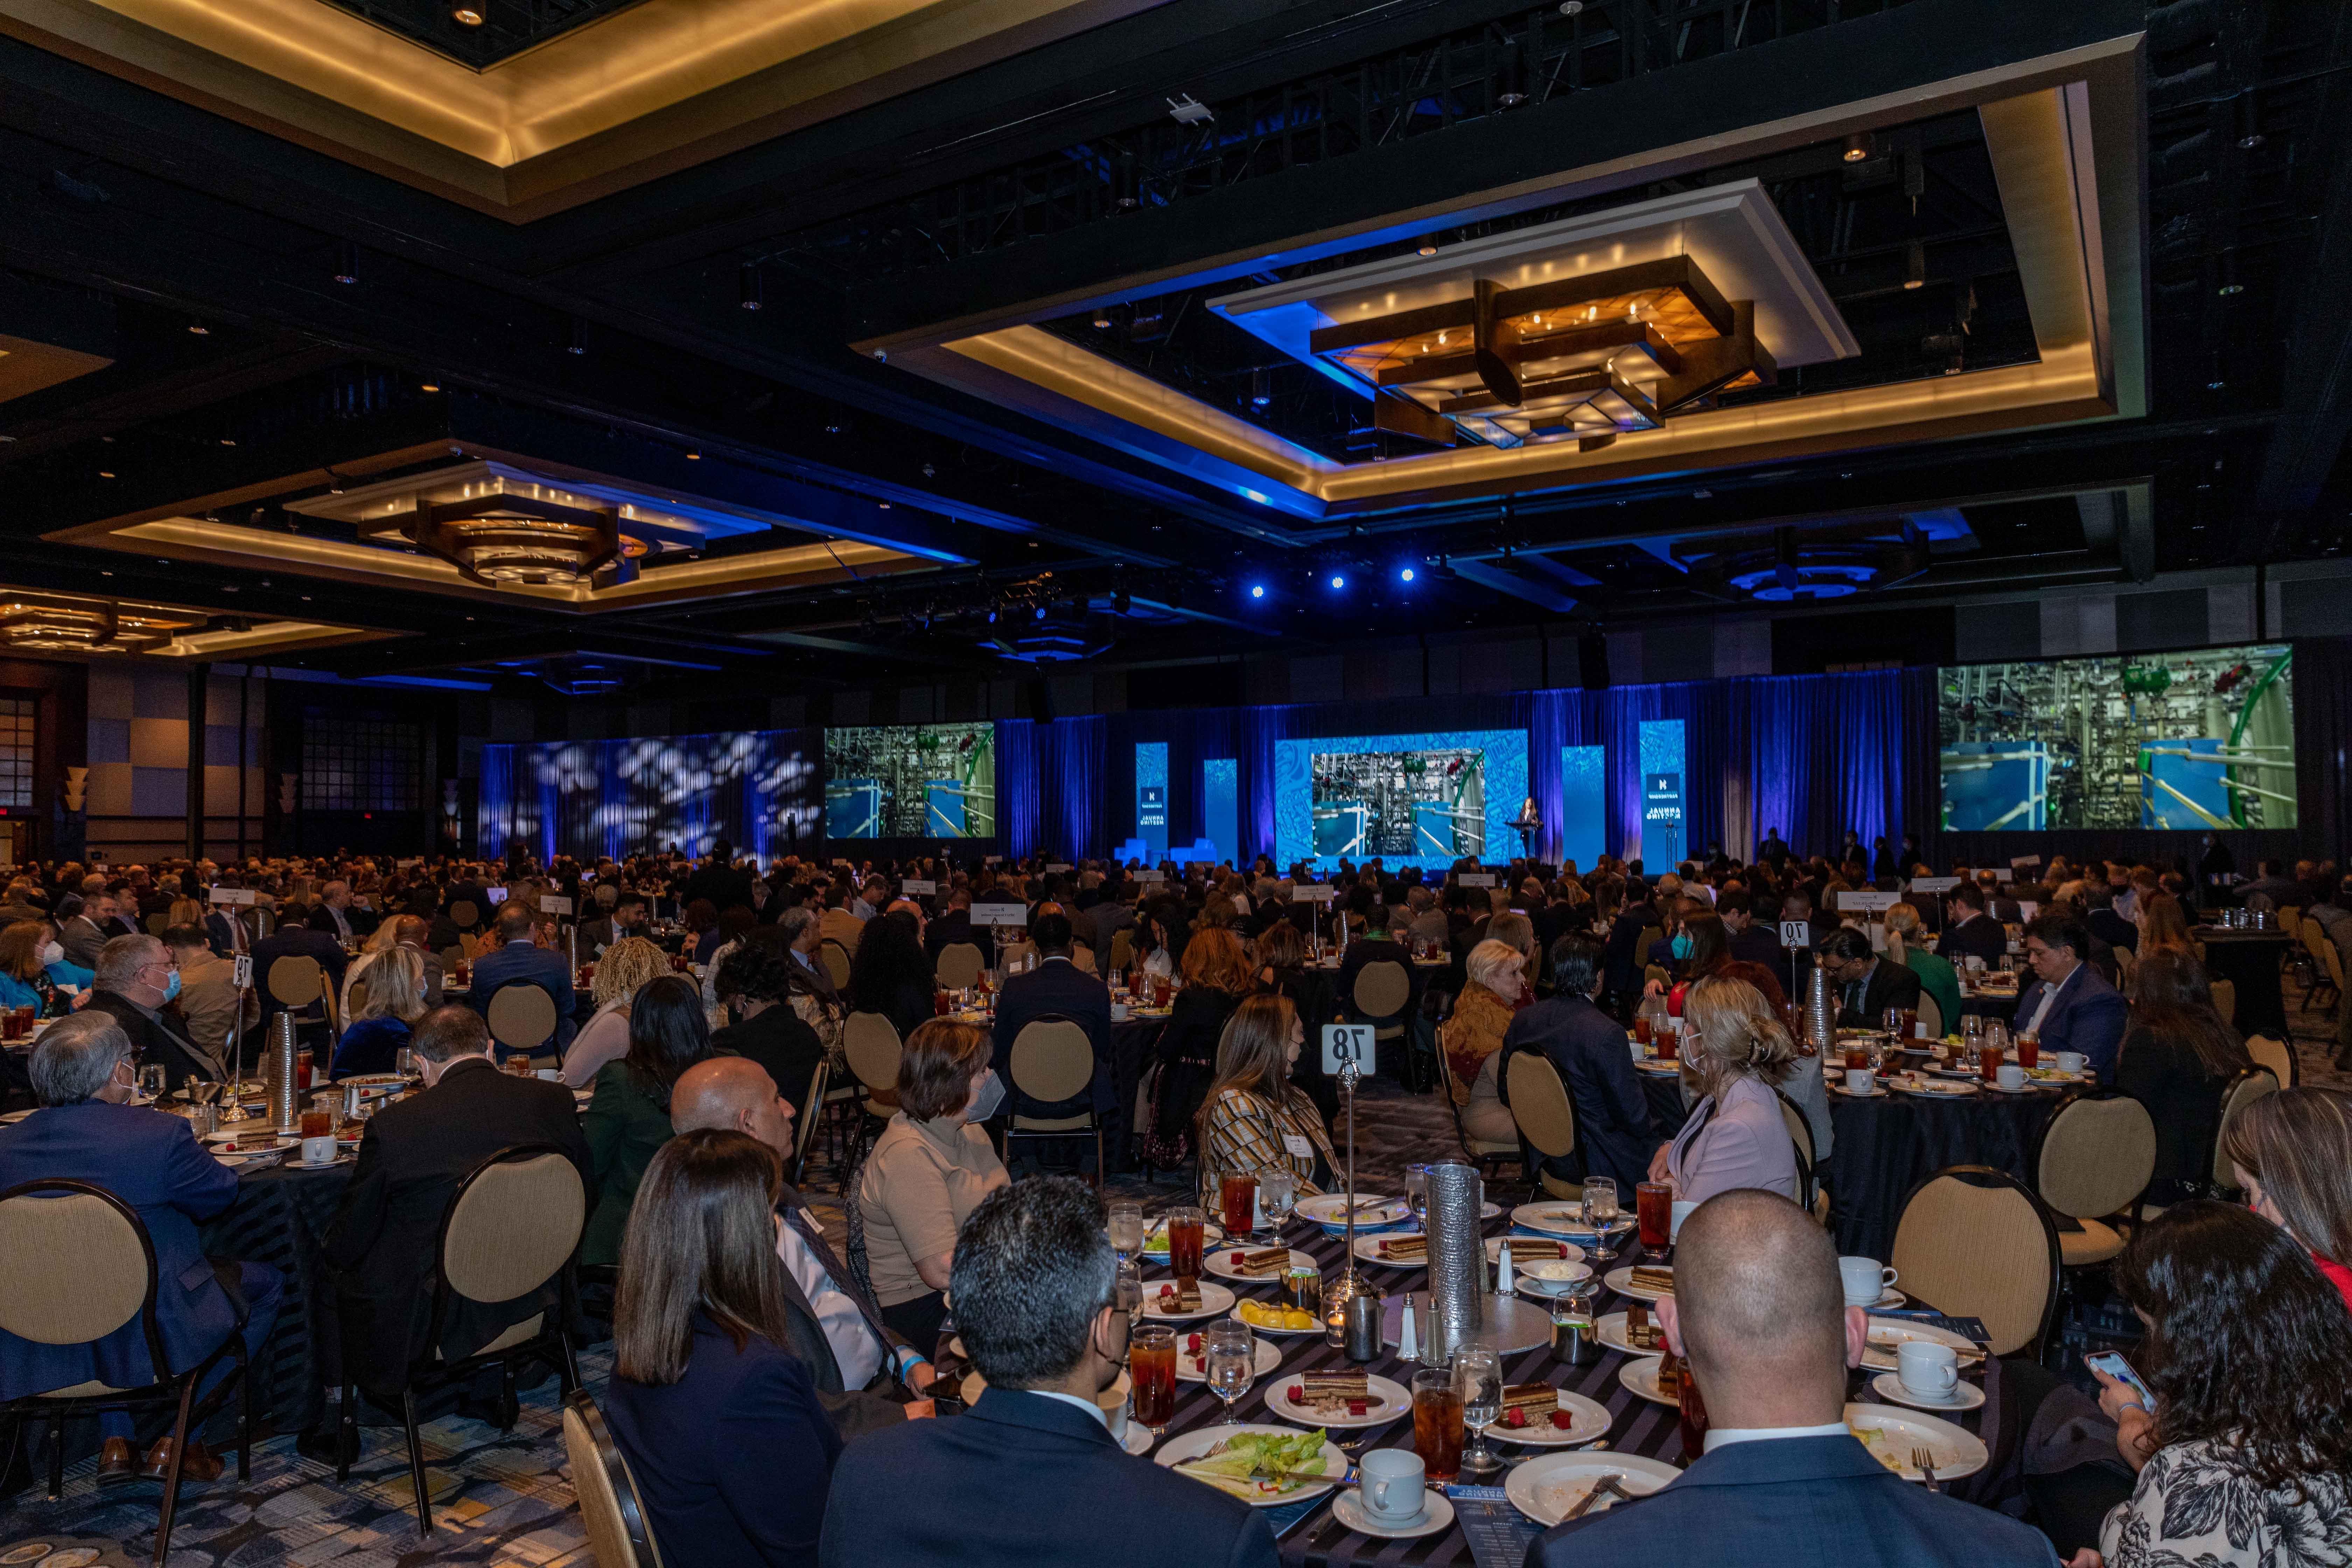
1278 1193
152 1078
1126 1229
1416 1192
1478 1379
1231 1355
1127 1292
1600 1202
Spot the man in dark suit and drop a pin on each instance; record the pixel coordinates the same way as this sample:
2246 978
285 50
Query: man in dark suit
2102 922
626 918
136 978
1865 984
83 1073
413 1156
334 914
1031 1476
1751 943
1973 933
1595 1060
955 926
756 981
1056 987
1758 1311
295 941
1622 960
518 959
83 933
867 1377
2070 1007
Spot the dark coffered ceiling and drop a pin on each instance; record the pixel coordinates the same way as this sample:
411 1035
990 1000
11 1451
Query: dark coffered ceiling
221 316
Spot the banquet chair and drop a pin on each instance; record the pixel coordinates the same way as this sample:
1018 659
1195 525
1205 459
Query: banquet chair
297 981
2225 1000
960 965
2094 1158
2278 1056
1053 1060
2245 1089
805 1133
521 1017
1083 957
835 960
1815 1200
355 998
158 923
464 915
81 1267
1019 955
1931 1015
1484 1154
619 1534
1122 948
511 1226
1546 1118
870 1045
2323 963
1381 994
1973 1241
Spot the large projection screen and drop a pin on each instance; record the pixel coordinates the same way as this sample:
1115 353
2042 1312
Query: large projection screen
2185 742
1426 800
910 781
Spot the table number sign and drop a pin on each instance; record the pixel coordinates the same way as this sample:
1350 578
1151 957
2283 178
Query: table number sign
550 904
1476 878
241 972
1795 934
1934 884
1867 898
1345 1043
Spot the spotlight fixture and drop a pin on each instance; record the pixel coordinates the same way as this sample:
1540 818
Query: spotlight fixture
1915 266
197 329
1857 147
1426 250
1102 319
694 457
579 343
1338 581
1260 388
428 387
749 292
347 262
1257 590
1405 574
465 16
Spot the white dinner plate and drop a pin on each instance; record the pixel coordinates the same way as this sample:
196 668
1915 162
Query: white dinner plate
1367 1250
225 1143
1966 1395
1610 1329
1216 1302
1193 1366
1935 1087
1953 1450
1622 1281
1889 1335
1437 1514
1373 1212
1389 1399
1589 1421
374 1082
1219 1261
1555 1220
1546 1489
1265 1329
1155 1240
1656 1068
1195 1444
1641 1378
1874 1093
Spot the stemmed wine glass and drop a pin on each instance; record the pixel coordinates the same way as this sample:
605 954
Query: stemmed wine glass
1478 1379
1416 1192
1232 1357
1126 1229
1277 1193
152 1078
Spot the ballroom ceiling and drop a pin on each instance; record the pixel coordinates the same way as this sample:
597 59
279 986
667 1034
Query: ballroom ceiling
817 350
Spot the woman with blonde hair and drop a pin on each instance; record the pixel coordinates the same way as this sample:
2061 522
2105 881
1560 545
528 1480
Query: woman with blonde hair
375 1032
625 968
1216 976
1907 944
1735 1052
1255 1119
1489 1002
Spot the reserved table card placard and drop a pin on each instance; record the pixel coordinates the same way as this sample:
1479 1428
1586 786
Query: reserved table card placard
1151 876
2024 862
1058 867
1867 898
920 885
1934 884
232 895
1000 915
548 904
1311 893
1475 878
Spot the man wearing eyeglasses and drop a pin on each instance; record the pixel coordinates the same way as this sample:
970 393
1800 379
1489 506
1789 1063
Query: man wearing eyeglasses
137 980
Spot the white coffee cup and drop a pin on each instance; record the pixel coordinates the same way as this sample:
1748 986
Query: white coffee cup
2069 1061
548 1075
1681 1212
319 1151
1394 1487
1859 1080
1865 1281
1118 1012
2009 1075
1927 1371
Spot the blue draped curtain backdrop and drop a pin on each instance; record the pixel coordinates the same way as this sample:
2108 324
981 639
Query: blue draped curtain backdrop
1054 787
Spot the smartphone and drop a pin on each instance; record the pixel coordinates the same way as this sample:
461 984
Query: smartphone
2115 1367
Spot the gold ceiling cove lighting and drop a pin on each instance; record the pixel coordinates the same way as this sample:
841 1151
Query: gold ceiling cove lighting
509 539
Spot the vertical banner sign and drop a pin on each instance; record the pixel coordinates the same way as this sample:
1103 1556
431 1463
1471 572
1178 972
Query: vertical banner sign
1151 799
1662 822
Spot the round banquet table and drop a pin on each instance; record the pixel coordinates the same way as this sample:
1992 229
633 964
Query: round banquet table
281 1217
2249 960
1636 1426
1132 1042
1884 1147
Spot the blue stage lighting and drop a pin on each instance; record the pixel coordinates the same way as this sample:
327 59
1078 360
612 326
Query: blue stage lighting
1405 574
1338 581
1257 590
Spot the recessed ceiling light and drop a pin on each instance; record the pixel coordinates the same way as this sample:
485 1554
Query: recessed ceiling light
466 16
429 387
200 329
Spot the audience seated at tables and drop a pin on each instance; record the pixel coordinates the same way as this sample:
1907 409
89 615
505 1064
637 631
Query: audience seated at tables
1489 1001
1255 1119
927 1172
890 974
1735 1052
2291 1155
1594 1058
2069 1008
866 1376
338 916
1216 977
520 960
624 918
1866 984
1031 1476
1971 933
717 1419
135 981
380 1024
2246 1460
1056 987
628 1119
2178 1057
1906 941
621 973
755 983
1279 957
82 1075
1758 1311
953 925
33 967
216 1011
89 928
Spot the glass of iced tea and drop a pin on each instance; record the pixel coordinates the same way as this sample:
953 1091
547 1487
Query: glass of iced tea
1152 1363
319 1116
1437 1422
1185 1227
1668 1040
1857 1052
2028 1050
1988 1059
1654 1211
1237 1195
1641 1028
302 1069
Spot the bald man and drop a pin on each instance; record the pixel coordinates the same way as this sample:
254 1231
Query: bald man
867 1377
1758 1311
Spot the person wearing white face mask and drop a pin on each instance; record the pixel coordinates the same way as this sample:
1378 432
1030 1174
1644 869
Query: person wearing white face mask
928 1171
33 971
137 977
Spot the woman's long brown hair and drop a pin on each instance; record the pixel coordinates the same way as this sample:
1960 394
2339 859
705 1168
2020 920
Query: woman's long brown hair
1255 1055
701 1239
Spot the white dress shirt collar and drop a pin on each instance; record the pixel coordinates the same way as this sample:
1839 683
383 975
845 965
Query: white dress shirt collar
1088 1406
1724 1436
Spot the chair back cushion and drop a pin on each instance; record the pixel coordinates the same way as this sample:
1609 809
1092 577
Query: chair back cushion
464 915
960 965
77 1270
1122 948
1382 989
1932 1015
1539 1104
618 1535
835 959
2246 1088
295 980
2274 1055
2225 1000
871 1043
1052 1059
1800 1132
512 1227
1979 1251
522 1014
359 995
2098 1155
1082 957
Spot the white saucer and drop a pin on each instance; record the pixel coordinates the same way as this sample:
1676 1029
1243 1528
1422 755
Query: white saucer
1437 1514
1850 1094
1137 1440
1966 1395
